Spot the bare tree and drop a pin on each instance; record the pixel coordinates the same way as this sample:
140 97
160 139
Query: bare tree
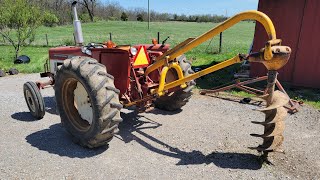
90 5
61 8
113 11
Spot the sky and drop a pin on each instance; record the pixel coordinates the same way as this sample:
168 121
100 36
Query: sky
191 7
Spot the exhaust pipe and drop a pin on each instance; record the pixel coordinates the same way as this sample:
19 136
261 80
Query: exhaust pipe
77 25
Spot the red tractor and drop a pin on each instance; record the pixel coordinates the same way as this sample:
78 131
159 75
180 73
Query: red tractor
93 82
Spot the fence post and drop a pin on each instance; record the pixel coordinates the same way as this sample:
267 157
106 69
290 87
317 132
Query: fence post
110 36
220 43
158 37
47 40
74 39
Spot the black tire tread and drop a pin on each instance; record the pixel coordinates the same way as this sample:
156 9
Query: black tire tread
37 98
176 100
103 95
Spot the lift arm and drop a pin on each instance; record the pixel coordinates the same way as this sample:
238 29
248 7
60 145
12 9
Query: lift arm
273 56
188 45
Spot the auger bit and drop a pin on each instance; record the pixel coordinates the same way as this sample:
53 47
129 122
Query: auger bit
275 113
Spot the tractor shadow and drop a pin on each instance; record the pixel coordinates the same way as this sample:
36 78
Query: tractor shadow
50 104
23 116
50 107
162 112
136 123
237 99
56 140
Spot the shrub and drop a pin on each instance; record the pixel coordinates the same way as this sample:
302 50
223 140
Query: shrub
68 42
50 19
85 17
124 16
139 17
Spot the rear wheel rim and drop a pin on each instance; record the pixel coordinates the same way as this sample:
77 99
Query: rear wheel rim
80 116
82 103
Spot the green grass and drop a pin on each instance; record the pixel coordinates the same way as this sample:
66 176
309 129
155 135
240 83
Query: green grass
38 56
308 96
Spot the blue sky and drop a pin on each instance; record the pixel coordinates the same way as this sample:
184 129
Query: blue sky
191 7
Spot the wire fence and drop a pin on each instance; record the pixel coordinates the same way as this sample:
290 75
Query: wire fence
46 40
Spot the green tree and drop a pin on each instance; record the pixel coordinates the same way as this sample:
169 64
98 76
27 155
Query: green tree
175 17
124 16
139 17
18 22
50 19
85 17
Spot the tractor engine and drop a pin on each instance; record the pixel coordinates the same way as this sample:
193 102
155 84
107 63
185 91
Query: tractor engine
124 62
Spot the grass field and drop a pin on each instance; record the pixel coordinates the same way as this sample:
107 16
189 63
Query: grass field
236 40
38 56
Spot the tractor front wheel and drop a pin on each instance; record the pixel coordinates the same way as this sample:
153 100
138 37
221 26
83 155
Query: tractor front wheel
34 99
87 101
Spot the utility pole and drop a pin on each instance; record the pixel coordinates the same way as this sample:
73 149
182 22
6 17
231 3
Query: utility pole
148 14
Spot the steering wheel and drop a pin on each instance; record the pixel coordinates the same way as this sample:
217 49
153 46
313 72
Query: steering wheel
94 45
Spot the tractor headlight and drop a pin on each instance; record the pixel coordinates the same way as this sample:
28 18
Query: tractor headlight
88 51
133 51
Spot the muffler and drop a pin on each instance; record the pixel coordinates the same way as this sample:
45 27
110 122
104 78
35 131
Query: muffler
77 25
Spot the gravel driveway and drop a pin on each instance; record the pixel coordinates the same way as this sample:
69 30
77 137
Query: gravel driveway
208 139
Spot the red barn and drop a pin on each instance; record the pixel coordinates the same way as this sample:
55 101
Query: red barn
297 23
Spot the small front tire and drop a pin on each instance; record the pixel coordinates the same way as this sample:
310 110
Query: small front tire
34 99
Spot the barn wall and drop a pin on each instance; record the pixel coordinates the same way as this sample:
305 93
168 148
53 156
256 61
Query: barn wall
307 69
296 24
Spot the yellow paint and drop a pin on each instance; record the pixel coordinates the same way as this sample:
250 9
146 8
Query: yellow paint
164 74
182 80
174 49
141 58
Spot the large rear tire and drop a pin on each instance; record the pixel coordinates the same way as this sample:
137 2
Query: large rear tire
176 100
87 101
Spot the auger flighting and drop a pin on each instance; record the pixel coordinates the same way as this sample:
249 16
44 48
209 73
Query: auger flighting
275 113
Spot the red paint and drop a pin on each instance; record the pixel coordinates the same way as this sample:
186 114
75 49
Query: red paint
152 47
307 69
65 52
297 24
117 62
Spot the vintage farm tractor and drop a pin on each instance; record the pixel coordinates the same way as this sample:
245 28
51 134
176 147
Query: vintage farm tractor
93 82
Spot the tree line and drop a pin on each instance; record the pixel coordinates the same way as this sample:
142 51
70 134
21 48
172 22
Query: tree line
20 18
58 12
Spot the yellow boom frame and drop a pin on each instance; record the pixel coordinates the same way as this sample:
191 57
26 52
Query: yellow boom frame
168 60
273 56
